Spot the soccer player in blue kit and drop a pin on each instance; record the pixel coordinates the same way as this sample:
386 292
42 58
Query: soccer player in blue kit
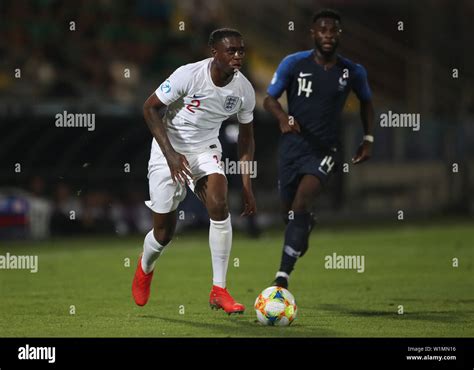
317 83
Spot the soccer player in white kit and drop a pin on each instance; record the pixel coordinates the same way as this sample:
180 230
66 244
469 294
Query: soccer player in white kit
186 150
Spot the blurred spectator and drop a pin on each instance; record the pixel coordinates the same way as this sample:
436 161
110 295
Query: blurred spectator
131 215
67 212
96 213
38 186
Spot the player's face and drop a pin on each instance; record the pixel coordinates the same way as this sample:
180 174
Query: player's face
325 33
229 54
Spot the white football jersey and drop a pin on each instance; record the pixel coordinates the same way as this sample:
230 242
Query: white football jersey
196 107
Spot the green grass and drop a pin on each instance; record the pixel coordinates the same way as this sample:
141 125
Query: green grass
409 266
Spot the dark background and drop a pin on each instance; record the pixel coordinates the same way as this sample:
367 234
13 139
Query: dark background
83 71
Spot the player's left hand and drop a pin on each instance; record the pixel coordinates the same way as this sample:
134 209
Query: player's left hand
363 153
250 206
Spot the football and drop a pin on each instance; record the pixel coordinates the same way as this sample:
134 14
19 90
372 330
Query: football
275 306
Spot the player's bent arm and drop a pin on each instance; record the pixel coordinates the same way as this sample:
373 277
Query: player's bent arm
151 112
246 147
367 116
274 107
177 163
364 152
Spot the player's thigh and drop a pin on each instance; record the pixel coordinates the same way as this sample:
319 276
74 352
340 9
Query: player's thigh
212 190
309 188
287 184
285 208
209 183
315 172
165 194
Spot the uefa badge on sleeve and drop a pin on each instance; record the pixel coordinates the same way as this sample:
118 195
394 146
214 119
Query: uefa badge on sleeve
166 86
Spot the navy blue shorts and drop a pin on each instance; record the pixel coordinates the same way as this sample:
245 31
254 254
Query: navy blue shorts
291 168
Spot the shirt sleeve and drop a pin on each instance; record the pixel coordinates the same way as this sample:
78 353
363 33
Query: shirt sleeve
245 114
361 84
175 86
281 78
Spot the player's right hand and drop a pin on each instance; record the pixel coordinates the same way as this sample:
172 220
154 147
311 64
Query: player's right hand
289 124
179 168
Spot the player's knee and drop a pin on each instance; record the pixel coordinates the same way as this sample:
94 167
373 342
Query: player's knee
163 235
302 203
217 208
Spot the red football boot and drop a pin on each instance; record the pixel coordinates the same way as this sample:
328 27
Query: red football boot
141 284
220 298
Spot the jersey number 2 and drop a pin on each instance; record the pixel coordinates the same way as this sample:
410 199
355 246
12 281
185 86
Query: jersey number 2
194 104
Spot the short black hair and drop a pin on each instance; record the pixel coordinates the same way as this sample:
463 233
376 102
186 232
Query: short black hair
222 33
327 13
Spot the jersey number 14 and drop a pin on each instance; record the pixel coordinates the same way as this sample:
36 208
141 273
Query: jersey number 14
304 86
328 162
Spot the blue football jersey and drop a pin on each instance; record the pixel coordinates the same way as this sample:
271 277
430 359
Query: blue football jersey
316 96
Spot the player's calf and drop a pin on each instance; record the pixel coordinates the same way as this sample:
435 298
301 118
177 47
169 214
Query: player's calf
296 240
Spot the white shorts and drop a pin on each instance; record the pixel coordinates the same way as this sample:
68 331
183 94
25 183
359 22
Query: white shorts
165 195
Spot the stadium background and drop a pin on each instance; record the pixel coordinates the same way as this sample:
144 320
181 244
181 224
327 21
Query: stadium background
84 70
119 52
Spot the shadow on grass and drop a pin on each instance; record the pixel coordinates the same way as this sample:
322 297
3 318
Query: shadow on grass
435 316
241 326
463 301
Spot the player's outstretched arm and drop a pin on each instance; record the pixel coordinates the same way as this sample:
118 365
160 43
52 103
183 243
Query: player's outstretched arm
177 162
367 114
246 145
287 123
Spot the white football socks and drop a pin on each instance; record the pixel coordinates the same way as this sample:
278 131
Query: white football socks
282 274
220 242
151 251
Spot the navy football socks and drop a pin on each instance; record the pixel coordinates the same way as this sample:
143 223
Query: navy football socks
296 240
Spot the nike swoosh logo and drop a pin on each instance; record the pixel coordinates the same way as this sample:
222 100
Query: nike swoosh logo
198 96
305 74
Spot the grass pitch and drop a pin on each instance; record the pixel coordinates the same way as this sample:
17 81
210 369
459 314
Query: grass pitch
83 287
